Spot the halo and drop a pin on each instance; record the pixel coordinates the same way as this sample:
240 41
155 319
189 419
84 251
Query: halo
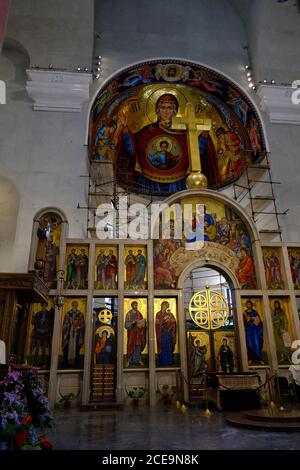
196 339
156 141
162 139
153 97
109 330
133 300
166 69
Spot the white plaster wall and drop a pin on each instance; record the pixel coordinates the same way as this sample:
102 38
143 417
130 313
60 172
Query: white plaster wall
285 167
202 30
43 153
273 36
57 32
9 206
215 33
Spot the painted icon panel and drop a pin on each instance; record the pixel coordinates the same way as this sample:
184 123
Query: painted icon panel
104 349
106 268
135 333
282 328
105 314
225 351
273 271
40 331
166 332
199 355
294 257
76 267
71 348
255 331
135 267
48 247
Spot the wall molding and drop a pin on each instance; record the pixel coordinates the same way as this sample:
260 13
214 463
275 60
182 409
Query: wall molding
276 102
53 90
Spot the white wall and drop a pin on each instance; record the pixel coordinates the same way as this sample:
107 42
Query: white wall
57 32
9 206
274 35
43 153
202 30
285 167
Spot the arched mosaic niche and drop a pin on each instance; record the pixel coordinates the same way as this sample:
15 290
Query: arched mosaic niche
128 126
227 243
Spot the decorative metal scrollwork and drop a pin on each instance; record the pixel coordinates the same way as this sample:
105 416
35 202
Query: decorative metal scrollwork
105 316
209 309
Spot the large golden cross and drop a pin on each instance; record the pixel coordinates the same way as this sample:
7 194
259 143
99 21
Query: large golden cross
192 124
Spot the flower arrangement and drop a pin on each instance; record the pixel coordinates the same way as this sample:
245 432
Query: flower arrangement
67 399
135 393
37 401
23 408
166 392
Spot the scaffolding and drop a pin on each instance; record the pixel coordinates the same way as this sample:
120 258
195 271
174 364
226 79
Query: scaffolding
103 188
255 193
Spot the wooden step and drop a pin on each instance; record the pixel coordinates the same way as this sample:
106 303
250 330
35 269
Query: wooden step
263 198
259 167
270 231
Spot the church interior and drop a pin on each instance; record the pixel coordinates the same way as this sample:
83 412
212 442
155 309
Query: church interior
150 224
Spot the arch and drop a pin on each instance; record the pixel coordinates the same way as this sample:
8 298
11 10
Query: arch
9 209
56 210
128 67
238 253
19 58
213 264
239 331
42 246
208 193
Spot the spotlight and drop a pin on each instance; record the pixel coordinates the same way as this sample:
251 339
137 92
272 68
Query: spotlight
248 74
251 85
97 76
98 68
78 68
264 80
273 82
249 79
246 67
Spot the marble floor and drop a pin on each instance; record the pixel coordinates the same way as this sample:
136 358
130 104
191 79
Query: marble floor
158 429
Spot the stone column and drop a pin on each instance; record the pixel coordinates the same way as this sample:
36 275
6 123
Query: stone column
120 333
88 340
182 339
151 326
